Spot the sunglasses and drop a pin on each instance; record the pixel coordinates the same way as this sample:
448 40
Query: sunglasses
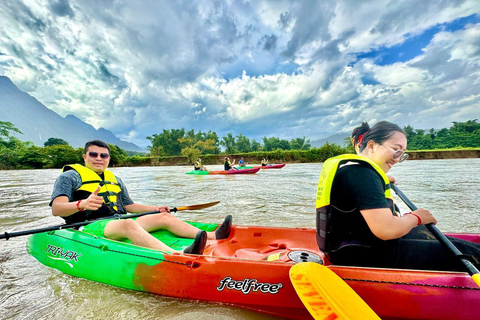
93 154
397 154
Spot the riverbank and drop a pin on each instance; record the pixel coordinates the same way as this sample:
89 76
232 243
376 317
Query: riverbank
284 157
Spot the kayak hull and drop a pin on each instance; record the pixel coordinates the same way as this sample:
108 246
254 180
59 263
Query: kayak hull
273 166
250 269
242 171
269 166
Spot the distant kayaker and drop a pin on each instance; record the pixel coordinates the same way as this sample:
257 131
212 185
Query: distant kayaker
264 162
198 165
88 192
228 165
356 224
241 162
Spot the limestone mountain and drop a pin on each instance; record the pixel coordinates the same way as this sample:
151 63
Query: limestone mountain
38 123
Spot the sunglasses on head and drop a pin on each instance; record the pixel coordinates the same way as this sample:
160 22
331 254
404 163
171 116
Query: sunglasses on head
93 154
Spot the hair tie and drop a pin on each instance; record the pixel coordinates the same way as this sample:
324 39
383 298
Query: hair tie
359 139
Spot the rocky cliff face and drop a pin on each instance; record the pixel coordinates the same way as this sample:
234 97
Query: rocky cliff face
38 123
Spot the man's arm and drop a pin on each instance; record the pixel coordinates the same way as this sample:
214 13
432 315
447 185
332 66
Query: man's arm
63 207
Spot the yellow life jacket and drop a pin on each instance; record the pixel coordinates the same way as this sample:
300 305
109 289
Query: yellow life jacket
110 187
324 189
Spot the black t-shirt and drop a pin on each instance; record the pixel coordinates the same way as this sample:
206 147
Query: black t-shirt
355 187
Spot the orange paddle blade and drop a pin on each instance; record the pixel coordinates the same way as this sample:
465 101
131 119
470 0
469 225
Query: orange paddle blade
198 206
326 295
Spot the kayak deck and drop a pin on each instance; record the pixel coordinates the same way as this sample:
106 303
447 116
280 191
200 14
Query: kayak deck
250 270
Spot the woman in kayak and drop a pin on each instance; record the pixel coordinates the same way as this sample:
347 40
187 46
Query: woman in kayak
228 165
356 224
198 165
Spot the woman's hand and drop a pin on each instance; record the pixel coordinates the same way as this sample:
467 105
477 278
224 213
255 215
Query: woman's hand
425 215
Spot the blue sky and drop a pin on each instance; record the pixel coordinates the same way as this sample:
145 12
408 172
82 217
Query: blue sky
413 45
261 68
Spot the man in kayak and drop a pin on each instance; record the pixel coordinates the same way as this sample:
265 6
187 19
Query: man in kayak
88 192
241 162
356 221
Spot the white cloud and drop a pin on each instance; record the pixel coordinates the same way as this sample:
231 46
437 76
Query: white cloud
261 68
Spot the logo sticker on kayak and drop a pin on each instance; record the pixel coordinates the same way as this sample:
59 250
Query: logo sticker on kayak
65 254
248 285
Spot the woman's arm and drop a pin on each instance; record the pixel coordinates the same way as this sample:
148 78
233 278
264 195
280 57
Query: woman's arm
386 226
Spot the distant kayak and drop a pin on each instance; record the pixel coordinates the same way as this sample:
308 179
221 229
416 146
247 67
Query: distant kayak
268 166
240 171
273 166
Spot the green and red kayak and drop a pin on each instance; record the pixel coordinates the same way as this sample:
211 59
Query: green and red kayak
250 269
233 171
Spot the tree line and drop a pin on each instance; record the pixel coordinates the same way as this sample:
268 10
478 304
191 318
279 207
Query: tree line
191 144
56 152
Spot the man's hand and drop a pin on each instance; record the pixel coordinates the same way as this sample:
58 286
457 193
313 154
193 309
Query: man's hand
163 209
93 202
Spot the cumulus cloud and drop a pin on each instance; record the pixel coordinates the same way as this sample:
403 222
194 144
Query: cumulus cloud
260 68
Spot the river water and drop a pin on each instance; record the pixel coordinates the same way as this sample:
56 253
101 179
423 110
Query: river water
275 197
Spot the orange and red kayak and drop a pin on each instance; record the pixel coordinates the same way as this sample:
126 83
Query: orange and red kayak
250 270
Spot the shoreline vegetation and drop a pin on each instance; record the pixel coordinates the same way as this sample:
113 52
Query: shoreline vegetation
300 156
179 147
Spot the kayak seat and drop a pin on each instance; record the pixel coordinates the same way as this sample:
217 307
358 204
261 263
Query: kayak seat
255 243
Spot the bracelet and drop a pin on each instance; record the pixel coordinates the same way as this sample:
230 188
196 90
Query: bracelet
418 218
78 206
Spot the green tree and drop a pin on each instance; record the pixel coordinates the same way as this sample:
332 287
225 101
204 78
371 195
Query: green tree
300 144
191 154
169 140
206 147
59 155
117 155
243 144
229 143
273 143
6 129
54 141
256 146
33 157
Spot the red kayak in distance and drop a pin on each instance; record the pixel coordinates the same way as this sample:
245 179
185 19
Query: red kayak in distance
233 171
273 166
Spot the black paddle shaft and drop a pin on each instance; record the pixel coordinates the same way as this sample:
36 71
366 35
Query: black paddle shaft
8 235
439 235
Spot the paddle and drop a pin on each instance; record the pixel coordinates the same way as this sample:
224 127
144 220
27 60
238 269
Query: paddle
8 235
326 295
472 270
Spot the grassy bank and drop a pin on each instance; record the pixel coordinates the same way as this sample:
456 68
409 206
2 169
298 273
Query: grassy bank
296 156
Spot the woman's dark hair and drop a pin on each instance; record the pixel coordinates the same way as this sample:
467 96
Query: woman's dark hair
97 143
380 132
